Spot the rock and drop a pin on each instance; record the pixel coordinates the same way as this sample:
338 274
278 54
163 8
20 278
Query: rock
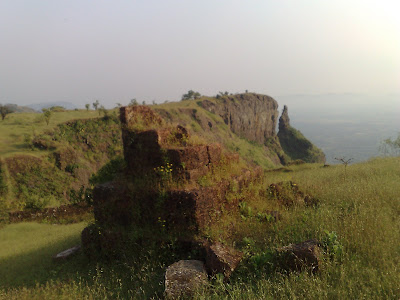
67 253
251 116
295 144
190 211
184 277
284 120
311 201
302 256
222 259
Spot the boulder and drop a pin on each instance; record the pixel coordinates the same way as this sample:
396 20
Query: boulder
302 256
184 277
222 259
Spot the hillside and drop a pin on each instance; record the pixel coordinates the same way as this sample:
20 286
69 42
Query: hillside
58 159
182 193
41 168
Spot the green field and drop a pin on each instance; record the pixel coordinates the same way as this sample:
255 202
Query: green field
362 208
16 127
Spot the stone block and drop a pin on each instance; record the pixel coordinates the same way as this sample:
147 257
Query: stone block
222 259
112 205
184 277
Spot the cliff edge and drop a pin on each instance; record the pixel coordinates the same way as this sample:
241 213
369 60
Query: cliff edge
294 143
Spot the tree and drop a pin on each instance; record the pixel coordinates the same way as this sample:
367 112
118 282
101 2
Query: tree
46 115
103 110
391 146
345 161
96 104
133 102
4 111
191 95
87 105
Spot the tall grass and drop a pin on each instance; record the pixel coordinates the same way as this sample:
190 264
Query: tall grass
363 209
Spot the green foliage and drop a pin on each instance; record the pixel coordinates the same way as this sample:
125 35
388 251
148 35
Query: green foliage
57 109
96 104
35 182
109 171
87 106
47 113
4 111
297 147
391 146
332 245
3 182
245 210
191 95
133 102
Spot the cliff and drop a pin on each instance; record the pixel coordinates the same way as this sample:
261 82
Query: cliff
295 145
243 123
251 116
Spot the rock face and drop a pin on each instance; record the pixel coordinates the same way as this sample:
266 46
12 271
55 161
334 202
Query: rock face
184 277
251 116
284 121
295 145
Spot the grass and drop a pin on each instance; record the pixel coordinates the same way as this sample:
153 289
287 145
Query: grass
15 127
25 261
44 165
363 209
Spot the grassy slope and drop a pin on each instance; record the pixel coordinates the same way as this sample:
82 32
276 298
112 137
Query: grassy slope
363 209
16 125
53 183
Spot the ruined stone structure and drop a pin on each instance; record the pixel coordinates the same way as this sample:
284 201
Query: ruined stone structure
153 153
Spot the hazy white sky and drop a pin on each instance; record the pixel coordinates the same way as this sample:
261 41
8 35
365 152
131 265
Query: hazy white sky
78 51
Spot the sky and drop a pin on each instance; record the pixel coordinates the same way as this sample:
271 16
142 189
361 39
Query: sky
156 50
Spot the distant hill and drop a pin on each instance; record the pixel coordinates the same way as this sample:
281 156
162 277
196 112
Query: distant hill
40 106
19 109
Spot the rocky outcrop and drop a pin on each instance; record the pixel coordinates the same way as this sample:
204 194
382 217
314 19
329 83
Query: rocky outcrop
284 121
251 116
295 145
